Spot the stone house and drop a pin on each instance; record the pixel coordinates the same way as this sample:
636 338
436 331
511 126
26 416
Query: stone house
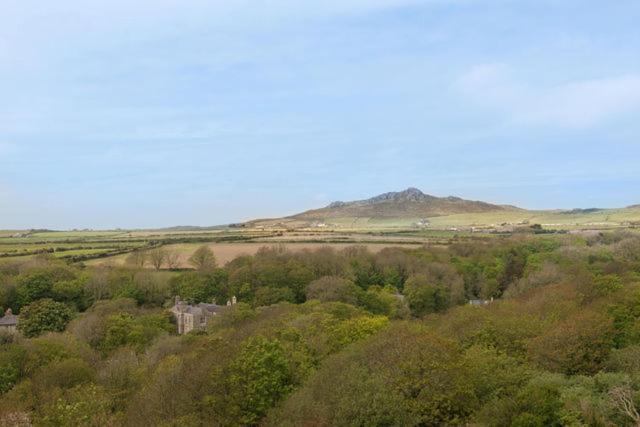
189 317
9 322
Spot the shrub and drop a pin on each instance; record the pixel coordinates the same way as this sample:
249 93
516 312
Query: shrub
330 288
33 286
45 315
12 360
578 345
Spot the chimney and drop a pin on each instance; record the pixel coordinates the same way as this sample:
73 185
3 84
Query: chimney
228 303
177 299
9 312
234 301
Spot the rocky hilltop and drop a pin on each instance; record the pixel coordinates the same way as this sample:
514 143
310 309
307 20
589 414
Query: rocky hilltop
410 203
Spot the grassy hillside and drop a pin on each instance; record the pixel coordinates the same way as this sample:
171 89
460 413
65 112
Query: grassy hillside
504 219
412 209
404 204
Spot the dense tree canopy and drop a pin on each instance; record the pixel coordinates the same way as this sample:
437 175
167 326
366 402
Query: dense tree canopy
45 315
327 337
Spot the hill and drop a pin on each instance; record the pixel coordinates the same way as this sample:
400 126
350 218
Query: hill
411 208
410 203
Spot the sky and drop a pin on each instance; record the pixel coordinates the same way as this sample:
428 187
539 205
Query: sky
157 113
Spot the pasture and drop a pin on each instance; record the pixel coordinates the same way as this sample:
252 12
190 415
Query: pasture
603 219
111 247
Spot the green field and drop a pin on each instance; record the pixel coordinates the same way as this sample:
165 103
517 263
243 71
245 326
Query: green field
112 246
495 221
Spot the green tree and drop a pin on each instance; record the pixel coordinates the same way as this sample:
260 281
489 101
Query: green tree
331 288
33 286
536 404
65 373
269 295
203 259
362 269
579 345
201 287
128 330
258 378
45 315
49 348
73 292
84 405
424 297
8 296
353 330
12 359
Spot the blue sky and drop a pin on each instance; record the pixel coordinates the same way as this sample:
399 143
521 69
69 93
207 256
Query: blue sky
171 112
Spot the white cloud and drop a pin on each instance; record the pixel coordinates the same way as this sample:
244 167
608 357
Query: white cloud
577 104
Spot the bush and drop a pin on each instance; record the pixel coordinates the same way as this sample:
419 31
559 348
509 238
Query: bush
45 315
65 373
203 259
43 350
135 331
201 287
578 345
329 288
269 295
72 292
12 360
34 286
84 405
257 379
425 297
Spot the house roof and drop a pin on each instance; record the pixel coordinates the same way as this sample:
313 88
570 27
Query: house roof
200 308
212 308
9 319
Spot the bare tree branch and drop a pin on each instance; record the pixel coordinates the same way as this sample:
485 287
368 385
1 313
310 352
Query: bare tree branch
622 398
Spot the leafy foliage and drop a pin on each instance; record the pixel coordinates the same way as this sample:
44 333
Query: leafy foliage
330 337
45 315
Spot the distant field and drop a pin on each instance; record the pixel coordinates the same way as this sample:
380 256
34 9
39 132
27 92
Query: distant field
565 220
76 234
548 219
85 245
112 246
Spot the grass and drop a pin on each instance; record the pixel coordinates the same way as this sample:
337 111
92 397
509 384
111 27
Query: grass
608 218
548 219
75 245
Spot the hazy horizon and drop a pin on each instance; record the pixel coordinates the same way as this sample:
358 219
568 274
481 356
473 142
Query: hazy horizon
179 224
170 113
